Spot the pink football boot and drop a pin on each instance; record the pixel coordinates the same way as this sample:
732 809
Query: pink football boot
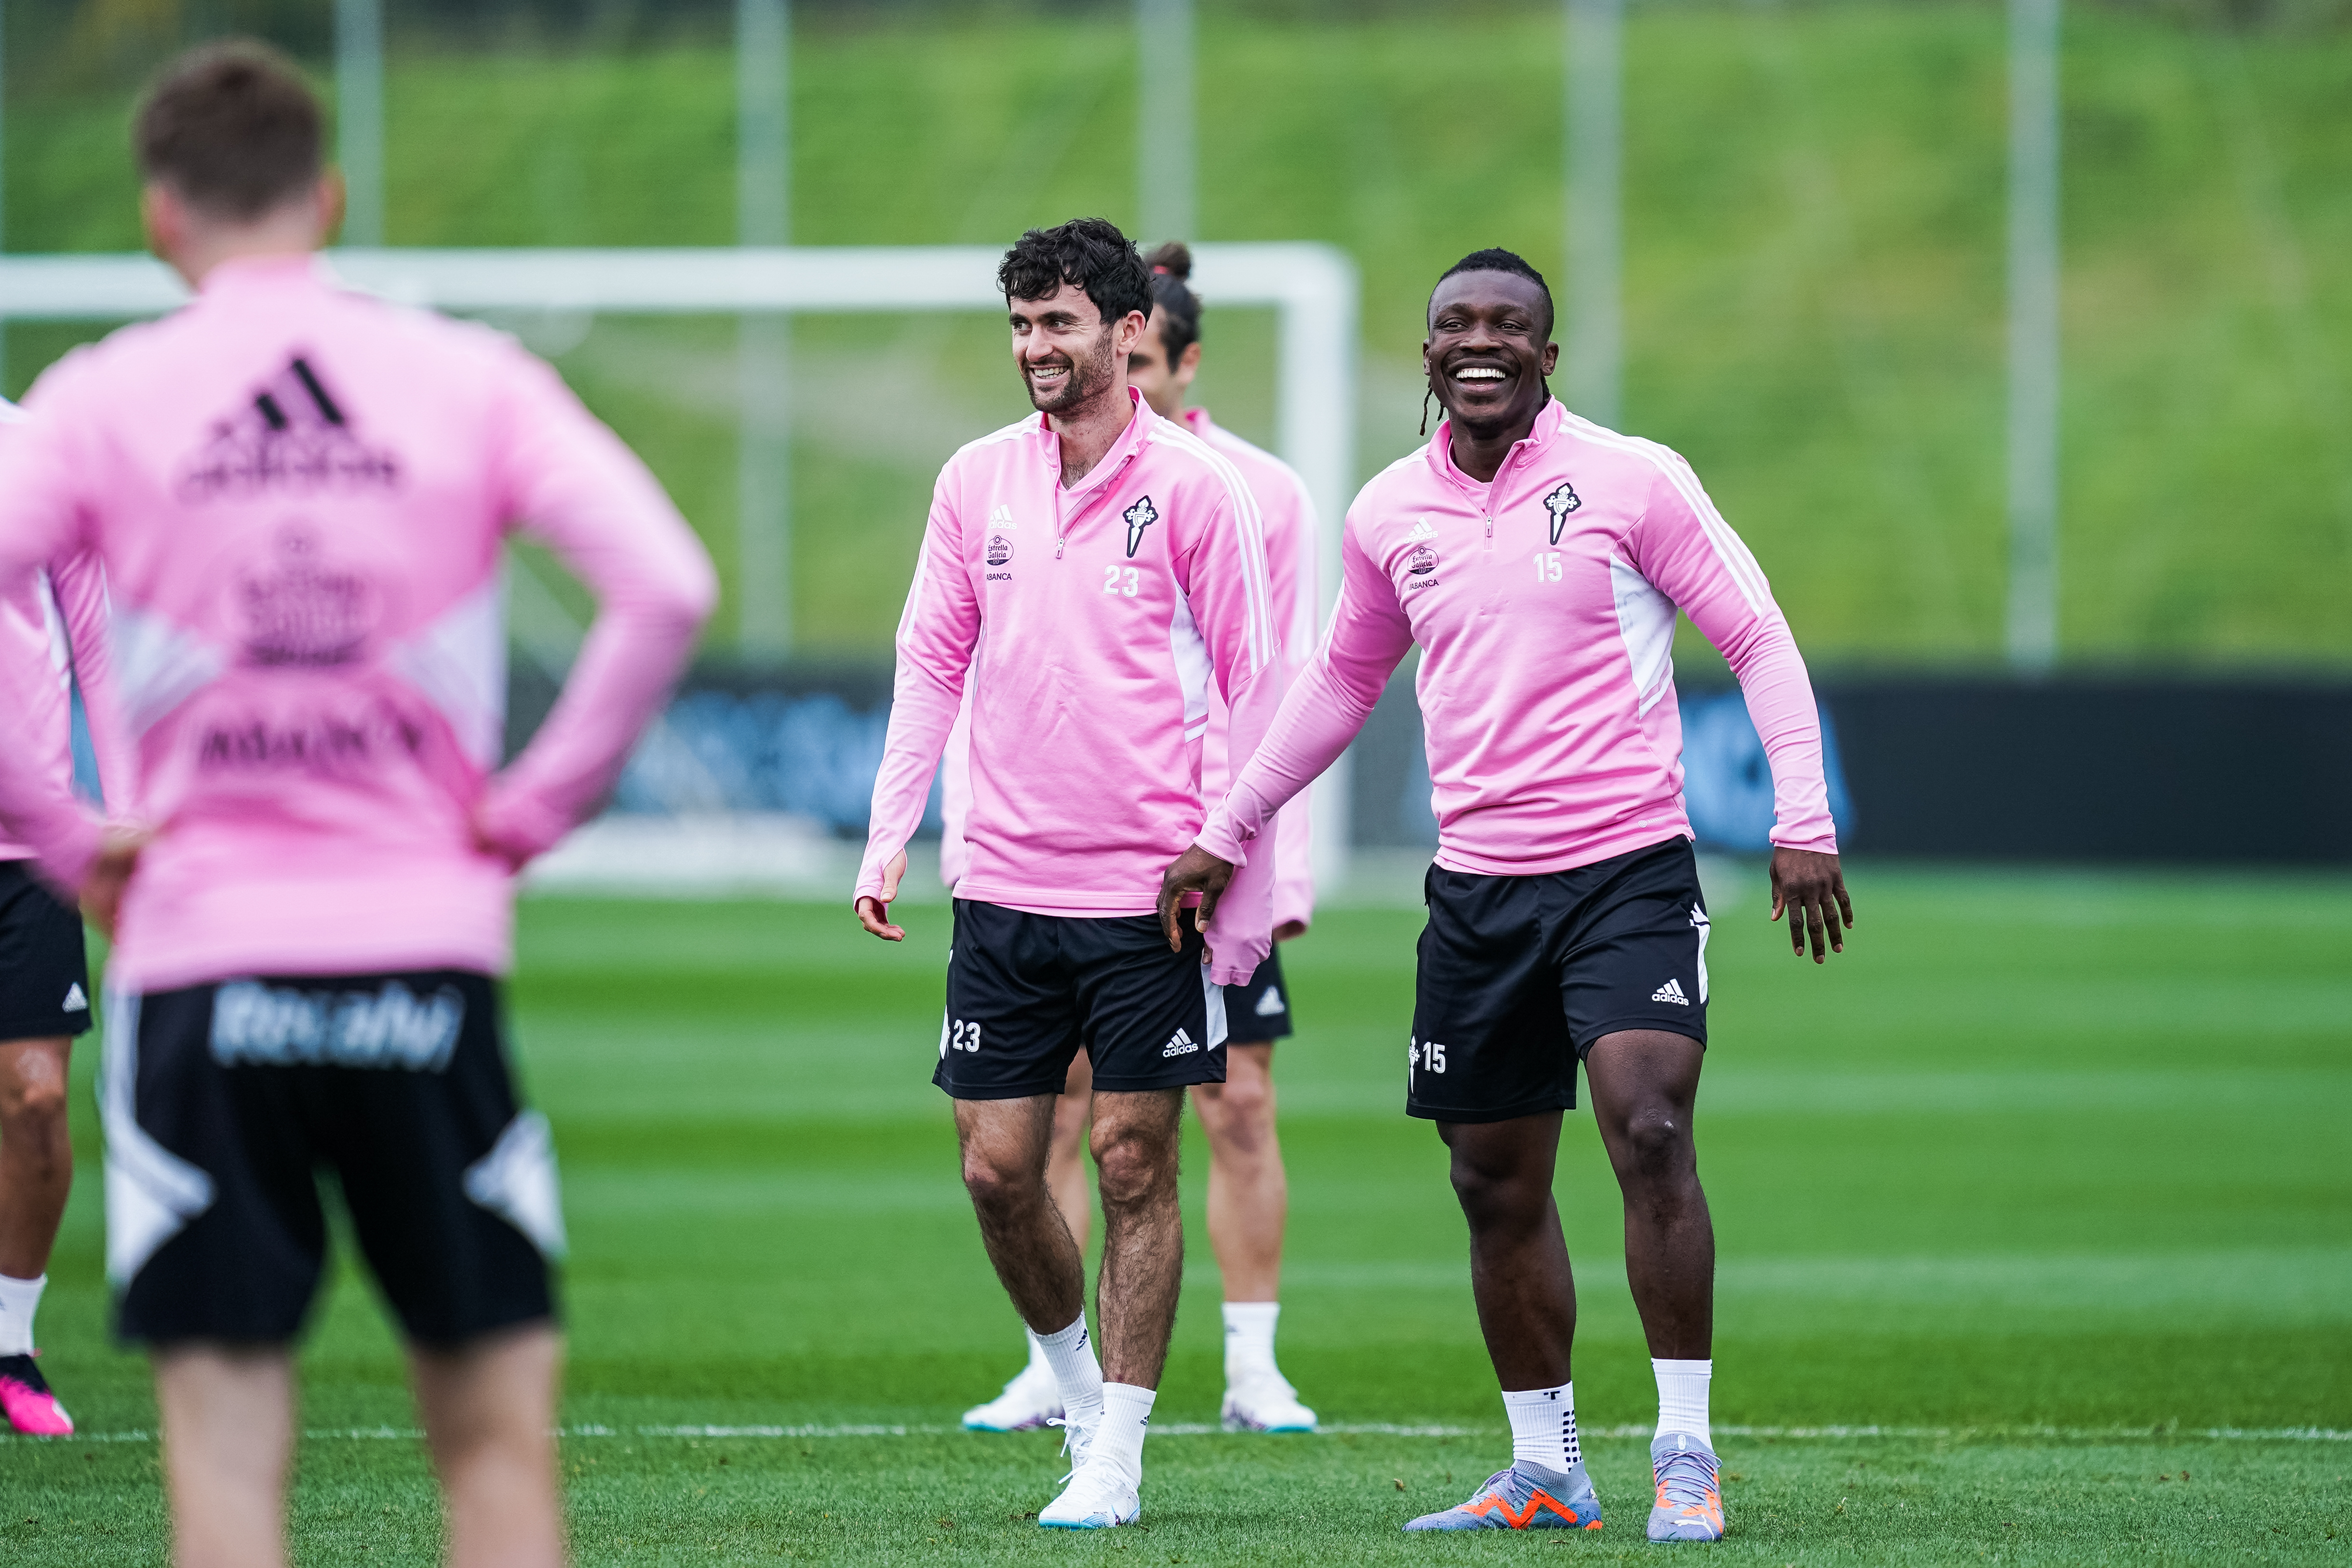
26 1398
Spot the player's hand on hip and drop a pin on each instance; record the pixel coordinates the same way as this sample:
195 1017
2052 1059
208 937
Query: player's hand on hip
1196 871
1809 886
873 913
102 890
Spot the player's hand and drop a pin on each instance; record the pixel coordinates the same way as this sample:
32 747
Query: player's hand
1288 929
1811 889
873 913
102 890
1196 871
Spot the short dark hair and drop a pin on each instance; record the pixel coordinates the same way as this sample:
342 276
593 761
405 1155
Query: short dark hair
232 128
1495 259
1180 323
1089 253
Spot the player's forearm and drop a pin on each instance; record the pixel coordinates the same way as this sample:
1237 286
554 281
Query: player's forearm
1780 696
633 657
1318 719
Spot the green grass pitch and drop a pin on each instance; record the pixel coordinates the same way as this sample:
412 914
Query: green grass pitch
2035 1217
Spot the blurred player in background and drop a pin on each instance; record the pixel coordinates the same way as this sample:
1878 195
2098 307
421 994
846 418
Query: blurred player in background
1249 1196
1088 574
52 634
1540 560
300 496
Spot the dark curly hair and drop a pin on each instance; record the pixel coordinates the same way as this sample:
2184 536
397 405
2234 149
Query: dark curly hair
1090 253
1180 307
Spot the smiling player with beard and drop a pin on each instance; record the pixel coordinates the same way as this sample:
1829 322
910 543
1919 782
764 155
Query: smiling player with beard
1087 572
1539 561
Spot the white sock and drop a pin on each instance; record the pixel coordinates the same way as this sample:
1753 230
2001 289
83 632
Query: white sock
1682 1396
1037 1362
1543 1427
20 1300
1125 1417
1249 1341
1078 1376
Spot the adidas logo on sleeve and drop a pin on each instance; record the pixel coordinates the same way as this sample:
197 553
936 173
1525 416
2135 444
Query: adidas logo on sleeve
1672 991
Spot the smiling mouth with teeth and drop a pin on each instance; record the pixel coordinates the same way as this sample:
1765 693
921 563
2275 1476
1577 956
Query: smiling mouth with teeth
1480 374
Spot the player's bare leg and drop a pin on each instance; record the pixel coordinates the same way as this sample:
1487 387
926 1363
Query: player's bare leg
36 1175
1135 1149
488 1408
1249 1194
1004 1143
35 1153
1065 1164
1031 1398
1644 1084
228 1434
1519 1273
1249 1206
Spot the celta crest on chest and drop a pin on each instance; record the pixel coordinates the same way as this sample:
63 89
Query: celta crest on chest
1139 516
1562 500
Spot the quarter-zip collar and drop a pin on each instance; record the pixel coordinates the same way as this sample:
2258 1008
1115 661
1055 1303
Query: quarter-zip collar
1549 420
1072 503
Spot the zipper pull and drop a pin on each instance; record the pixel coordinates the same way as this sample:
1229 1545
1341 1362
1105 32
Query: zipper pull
1490 528
1059 540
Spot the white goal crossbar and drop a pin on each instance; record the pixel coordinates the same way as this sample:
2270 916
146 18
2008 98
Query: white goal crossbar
1312 287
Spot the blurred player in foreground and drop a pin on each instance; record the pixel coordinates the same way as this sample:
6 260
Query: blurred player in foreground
1249 1195
52 634
1539 561
300 496
1090 572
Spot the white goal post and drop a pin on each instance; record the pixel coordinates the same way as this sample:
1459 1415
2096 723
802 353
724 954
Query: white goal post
1312 287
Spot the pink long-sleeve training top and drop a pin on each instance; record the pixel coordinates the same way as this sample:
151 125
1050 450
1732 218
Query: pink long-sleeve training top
1544 605
1288 514
53 635
1091 622
300 496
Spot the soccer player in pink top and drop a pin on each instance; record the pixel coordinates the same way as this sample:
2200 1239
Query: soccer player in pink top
300 496
1539 561
52 634
1248 1192
1089 573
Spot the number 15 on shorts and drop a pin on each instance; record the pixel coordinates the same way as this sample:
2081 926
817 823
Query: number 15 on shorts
1430 1055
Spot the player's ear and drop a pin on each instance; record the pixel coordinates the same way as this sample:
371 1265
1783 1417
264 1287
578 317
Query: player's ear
1131 328
1550 357
1190 363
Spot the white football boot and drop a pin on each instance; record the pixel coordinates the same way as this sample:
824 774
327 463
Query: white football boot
1264 1401
1097 1497
1031 1400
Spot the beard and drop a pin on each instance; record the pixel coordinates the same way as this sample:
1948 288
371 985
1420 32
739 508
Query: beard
1089 378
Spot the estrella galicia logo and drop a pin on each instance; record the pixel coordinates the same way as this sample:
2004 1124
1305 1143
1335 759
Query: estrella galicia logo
1559 502
1000 550
1421 562
1139 516
292 435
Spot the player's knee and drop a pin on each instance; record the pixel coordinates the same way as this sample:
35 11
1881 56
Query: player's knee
1133 1169
1654 1142
1495 1193
996 1188
31 1102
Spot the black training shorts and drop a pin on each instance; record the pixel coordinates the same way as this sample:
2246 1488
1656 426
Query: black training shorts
224 1102
1259 1011
44 975
1521 974
1027 992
